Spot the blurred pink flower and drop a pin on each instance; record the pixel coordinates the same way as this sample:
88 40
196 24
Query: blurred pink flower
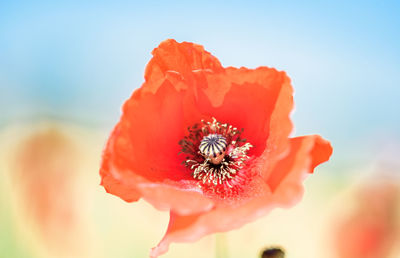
45 165
370 231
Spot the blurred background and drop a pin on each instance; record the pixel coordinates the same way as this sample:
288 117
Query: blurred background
67 67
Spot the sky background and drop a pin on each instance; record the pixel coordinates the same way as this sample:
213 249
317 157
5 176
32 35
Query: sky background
74 63
78 61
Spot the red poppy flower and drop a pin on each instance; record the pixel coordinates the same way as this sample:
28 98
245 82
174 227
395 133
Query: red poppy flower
210 144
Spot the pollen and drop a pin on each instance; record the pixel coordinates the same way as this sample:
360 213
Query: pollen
215 152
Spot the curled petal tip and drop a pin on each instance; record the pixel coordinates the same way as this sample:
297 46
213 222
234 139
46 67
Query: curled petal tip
160 249
321 152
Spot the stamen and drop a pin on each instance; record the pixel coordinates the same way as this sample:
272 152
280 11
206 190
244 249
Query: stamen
219 155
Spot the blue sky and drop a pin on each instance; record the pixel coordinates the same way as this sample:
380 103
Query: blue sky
79 61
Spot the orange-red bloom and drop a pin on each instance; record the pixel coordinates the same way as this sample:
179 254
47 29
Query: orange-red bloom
210 144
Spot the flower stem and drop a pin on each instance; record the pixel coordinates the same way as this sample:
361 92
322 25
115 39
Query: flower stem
221 250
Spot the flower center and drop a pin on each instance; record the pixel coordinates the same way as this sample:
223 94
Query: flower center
215 152
213 147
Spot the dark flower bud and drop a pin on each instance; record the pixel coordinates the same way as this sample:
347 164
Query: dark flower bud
273 252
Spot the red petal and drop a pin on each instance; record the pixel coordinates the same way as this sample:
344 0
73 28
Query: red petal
259 101
180 58
141 158
279 104
311 151
120 179
286 187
